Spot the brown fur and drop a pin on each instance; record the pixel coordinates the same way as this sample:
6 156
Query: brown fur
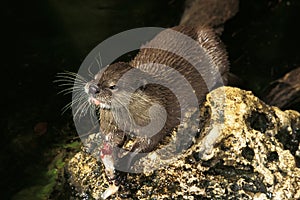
150 94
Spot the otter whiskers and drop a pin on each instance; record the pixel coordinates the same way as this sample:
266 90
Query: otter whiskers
75 85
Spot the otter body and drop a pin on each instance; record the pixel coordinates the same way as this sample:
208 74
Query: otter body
124 110
122 118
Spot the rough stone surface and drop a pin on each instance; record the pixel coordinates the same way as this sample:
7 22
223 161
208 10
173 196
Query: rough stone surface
245 150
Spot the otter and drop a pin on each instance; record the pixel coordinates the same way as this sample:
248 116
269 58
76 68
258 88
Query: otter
127 105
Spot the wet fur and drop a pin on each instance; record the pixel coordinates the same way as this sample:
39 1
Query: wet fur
150 94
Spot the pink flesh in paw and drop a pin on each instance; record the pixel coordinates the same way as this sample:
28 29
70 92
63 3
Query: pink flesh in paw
108 161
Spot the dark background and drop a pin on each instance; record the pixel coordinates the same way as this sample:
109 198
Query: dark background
41 38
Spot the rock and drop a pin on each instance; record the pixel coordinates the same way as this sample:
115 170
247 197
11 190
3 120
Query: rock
86 175
245 150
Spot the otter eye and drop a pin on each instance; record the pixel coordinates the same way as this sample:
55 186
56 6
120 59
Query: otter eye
113 87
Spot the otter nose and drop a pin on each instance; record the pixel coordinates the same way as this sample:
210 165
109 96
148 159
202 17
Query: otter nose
93 89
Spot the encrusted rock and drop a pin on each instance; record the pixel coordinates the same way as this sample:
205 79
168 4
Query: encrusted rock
245 150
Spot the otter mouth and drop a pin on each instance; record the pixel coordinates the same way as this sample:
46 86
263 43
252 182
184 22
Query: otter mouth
92 90
99 103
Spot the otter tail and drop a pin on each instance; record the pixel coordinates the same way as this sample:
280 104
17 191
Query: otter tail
211 13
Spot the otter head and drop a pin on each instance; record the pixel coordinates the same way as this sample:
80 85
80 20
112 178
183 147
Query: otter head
109 85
